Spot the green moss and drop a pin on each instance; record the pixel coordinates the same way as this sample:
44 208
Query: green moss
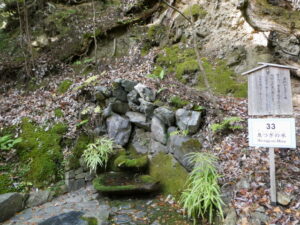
131 162
81 144
147 179
187 67
227 125
171 175
90 220
177 60
278 14
6 184
192 145
156 33
177 102
222 79
58 113
64 86
41 149
196 10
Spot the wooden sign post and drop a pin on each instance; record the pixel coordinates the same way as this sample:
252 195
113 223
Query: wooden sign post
269 94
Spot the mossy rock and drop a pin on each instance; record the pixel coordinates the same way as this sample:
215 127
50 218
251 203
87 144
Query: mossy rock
222 79
125 183
41 150
129 160
171 175
280 15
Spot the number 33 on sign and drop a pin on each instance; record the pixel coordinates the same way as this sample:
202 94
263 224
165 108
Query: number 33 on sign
272 132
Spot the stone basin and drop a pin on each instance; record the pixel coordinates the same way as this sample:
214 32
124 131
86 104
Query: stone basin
125 183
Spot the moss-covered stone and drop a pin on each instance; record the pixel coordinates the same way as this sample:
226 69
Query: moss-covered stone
64 86
41 149
196 10
171 175
130 160
177 60
188 67
125 183
280 15
222 79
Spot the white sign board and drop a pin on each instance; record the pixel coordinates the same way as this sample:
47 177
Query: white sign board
272 132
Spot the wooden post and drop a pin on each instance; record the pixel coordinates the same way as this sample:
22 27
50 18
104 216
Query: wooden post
272 177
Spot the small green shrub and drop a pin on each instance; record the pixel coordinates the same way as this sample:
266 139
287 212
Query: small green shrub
7 142
98 153
202 196
64 86
177 102
196 10
160 76
227 125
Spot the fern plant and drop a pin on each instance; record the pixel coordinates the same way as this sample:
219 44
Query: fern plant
228 124
202 197
7 142
98 153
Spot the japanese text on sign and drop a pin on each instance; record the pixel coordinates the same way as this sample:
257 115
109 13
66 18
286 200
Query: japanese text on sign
272 132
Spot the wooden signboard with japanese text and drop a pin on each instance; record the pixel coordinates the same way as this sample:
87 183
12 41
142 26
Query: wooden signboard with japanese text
269 92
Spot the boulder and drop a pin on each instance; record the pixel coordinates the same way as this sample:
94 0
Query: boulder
146 107
119 183
145 92
128 85
188 120
138 119
101 93
119 107
158 130
119 93
166 115
107 112
38 198
133 97
10 203
74 185
119 129
141 141
131 162
157 147
73 217
180 146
